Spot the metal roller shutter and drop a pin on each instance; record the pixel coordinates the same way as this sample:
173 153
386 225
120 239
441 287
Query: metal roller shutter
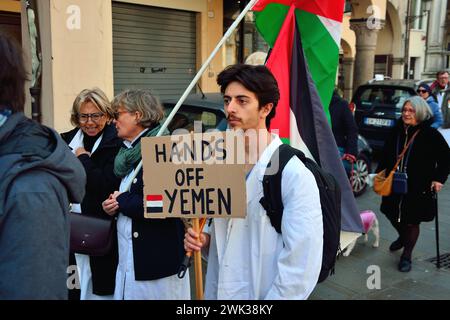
153 48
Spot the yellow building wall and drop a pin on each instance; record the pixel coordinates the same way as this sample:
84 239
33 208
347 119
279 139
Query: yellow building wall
348 36
79 57
81 51
385 39
417 43
10 5
361 9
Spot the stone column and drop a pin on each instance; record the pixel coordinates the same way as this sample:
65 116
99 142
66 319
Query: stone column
366 42
435 57
348 64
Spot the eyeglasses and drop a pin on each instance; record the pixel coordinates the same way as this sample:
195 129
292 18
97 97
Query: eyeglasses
118 113
409 110
421 91
84 117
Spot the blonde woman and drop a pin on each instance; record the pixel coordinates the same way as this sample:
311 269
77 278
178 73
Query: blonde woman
94 141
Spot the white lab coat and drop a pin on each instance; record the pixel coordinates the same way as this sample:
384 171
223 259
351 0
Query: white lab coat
127 288
247 258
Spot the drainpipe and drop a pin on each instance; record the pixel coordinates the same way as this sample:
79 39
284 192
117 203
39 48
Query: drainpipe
242 5
407 36
36 59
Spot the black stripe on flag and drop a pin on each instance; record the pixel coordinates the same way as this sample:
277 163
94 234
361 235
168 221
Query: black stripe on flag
154 209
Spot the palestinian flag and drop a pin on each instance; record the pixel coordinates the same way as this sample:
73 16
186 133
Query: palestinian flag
304 36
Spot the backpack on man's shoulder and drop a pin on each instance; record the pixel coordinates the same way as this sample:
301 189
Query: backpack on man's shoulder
330 200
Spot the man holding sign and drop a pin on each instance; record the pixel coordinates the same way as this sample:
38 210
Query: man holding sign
247 258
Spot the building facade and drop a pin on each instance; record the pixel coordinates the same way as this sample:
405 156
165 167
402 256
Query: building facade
160 44
114 45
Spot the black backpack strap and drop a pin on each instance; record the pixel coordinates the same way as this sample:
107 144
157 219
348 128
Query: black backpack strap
272 200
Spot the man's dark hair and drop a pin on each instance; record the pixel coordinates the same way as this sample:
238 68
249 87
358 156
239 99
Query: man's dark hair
257 79
441 72
12 74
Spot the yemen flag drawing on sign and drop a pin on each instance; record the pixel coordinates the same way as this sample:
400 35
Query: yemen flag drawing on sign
154 203
304 37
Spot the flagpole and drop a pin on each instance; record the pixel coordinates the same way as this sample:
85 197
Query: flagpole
197 77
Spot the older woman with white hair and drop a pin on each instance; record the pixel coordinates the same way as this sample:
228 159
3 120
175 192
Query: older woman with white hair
426 163
150 250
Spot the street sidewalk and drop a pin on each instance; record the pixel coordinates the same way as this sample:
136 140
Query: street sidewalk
424 281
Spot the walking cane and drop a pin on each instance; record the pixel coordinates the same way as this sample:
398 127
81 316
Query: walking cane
438 257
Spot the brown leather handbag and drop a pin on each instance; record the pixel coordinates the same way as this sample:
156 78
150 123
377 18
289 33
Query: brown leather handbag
382 184
91 235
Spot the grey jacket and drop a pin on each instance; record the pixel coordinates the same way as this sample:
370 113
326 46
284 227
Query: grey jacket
39 177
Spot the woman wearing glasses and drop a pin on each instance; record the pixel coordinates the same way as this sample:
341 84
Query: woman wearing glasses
94 141
425 93
426 163
150 250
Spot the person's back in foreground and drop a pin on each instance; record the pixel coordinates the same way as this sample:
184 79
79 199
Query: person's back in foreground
38 180
247 258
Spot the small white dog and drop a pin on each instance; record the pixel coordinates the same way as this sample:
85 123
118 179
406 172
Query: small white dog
370 223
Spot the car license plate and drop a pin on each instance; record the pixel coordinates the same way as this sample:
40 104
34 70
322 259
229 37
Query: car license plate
379 122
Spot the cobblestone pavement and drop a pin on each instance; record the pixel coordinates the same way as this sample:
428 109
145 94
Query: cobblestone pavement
354 277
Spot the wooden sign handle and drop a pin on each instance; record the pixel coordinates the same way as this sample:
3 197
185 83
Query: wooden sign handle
198 265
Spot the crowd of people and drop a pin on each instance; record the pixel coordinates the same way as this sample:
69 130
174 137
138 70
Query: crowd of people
90 170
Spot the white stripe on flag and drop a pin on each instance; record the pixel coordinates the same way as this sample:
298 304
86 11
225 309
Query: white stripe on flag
152 204
295 138
334 28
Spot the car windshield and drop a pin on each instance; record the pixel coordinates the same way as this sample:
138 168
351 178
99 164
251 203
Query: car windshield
186 116
383 97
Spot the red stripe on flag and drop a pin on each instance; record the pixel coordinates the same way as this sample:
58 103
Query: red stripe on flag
331 9
154 197
279 64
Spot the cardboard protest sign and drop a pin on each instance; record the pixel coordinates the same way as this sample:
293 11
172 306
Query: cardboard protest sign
193 176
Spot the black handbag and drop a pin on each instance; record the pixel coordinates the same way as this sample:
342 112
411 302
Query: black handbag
400 183
400 178
90 235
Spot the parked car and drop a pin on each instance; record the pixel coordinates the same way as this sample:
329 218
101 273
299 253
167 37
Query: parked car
209 109
362 167
377 105
206 108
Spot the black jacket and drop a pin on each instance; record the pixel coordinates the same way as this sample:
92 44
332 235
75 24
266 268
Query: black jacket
101 182
429 160
158 249
343 125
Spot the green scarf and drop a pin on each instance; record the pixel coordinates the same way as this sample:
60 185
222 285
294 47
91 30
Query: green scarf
128 158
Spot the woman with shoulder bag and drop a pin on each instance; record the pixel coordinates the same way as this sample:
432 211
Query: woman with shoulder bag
94 141
150 250
425 165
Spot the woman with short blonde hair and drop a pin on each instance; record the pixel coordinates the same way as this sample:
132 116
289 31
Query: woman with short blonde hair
94 141
98 98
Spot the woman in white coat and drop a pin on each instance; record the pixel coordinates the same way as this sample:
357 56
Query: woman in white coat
150 250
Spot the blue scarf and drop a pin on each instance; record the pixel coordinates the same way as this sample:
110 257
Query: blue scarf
5 113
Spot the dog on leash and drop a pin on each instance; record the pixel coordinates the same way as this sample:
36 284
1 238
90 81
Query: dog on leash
370 223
